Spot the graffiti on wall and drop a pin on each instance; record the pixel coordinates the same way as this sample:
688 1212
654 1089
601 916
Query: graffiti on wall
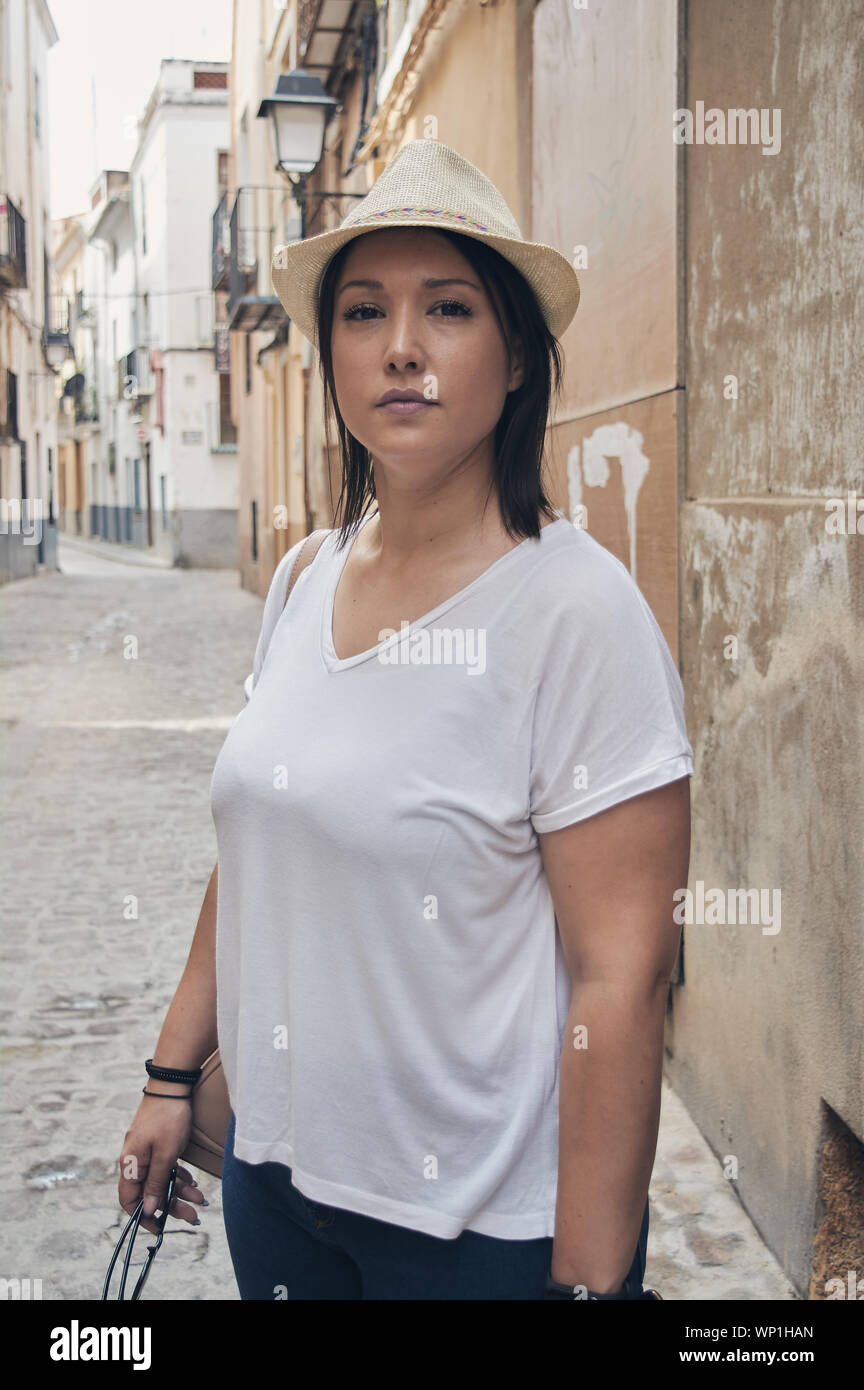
589 467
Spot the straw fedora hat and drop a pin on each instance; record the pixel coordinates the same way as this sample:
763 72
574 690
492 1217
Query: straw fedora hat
428 184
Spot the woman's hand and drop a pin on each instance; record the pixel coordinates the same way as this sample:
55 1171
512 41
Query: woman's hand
157 1136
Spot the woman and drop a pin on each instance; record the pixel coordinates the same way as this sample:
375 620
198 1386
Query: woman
447 849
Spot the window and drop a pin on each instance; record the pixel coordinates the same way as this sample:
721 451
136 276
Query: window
159 391
248 341
227 429
222 169
163 500
8 406
210 79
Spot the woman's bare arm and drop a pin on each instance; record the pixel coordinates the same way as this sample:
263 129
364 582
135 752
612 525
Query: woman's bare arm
160 1128
189 1032
612 879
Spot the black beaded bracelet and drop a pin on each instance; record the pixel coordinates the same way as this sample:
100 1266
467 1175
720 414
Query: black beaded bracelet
554 1289
172 1073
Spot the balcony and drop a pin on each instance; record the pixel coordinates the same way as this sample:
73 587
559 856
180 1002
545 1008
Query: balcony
221 254
307 20
134 377
254 313
84 398
321 31
13 245
55 332
87 407
243 254
249 312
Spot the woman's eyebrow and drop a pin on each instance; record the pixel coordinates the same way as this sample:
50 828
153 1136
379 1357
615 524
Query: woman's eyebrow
428 284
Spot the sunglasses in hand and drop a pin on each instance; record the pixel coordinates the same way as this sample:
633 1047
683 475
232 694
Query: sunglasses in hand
131 1230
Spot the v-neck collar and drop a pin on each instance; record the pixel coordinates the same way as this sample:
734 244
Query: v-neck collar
334 663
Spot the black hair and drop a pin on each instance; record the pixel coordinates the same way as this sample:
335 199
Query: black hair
521 431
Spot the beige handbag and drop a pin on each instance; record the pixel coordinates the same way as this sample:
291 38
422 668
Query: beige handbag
211 1107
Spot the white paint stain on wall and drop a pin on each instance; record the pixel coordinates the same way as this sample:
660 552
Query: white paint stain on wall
620 442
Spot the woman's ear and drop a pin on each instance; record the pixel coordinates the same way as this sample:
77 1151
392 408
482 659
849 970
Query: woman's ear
517 365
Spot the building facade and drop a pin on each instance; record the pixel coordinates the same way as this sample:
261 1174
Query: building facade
34 323
76 264
165 476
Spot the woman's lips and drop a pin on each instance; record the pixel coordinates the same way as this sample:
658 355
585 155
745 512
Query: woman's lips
406 407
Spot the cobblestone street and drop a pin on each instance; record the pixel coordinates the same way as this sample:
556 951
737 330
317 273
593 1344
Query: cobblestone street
106 771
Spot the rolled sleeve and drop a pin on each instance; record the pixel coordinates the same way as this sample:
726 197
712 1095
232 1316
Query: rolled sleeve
609 713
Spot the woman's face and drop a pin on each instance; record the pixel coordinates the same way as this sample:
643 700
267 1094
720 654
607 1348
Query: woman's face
441 340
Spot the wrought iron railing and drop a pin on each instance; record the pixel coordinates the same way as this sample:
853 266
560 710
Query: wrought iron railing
221 254
56 318
243 259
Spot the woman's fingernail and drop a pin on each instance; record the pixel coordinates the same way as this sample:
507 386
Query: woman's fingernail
205 1203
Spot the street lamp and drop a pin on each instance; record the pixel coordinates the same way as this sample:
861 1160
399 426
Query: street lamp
299 110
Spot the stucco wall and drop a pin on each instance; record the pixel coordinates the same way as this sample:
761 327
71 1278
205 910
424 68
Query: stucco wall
766 1024
605 190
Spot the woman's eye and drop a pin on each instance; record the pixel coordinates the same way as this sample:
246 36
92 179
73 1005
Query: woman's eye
350 313
356 310
453 304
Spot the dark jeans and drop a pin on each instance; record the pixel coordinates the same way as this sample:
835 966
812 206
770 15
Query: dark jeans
283 1245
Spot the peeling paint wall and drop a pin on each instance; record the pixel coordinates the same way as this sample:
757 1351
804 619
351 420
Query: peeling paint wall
765 1026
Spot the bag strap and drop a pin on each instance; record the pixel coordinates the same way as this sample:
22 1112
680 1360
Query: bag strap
306 554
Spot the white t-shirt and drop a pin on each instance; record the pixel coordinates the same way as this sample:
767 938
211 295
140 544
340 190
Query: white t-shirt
392 992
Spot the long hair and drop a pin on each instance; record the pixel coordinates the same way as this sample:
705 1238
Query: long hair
521 431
